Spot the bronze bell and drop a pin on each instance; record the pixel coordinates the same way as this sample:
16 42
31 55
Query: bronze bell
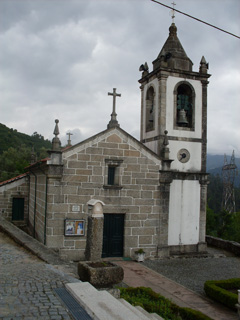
182 119
151 116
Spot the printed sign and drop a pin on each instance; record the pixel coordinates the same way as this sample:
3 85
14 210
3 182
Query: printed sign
75 208
74 227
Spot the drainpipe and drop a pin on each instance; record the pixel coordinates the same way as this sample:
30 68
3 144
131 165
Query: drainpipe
28 200
45 210
35 205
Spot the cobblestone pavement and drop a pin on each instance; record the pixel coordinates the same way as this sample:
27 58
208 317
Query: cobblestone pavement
193 272
27 285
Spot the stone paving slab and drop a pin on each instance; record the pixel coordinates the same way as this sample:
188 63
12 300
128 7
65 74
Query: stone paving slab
29 242
192 273
37 248
137 275
27 285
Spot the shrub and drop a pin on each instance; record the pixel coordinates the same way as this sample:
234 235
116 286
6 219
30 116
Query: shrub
218 291
153 302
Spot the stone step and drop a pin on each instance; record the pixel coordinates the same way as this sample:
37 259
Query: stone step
101 305
154 316
139 313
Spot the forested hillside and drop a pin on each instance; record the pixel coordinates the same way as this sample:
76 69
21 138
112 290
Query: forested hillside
13 138
16 150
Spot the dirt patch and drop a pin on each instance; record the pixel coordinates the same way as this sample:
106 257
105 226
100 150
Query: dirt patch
100 264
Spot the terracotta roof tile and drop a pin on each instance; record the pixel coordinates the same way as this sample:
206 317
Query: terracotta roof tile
14 179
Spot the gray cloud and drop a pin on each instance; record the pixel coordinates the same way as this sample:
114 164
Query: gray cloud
59 59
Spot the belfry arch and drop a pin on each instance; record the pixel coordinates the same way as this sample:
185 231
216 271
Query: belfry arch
184 106
150 109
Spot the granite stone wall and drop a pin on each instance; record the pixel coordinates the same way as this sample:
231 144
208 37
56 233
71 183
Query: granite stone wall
136 195
8 191
227 245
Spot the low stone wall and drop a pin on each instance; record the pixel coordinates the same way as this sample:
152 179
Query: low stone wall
231 246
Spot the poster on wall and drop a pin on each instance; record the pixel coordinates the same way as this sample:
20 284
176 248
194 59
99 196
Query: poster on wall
74 227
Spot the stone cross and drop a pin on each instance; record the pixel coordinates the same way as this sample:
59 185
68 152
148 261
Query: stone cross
113 122
69 140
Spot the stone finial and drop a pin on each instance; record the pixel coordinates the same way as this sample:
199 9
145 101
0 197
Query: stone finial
56 143
166 162
165 149
165 140
203 65
173 30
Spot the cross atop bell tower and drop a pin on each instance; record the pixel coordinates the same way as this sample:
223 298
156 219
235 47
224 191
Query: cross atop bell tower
173 11
113 122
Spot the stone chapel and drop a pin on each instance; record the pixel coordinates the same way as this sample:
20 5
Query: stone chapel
111 194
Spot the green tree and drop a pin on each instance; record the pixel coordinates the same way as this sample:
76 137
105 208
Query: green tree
224 224
13 161
42 153
215 192
233 231
211 223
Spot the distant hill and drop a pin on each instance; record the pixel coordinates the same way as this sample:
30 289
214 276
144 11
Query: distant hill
13 138
217 161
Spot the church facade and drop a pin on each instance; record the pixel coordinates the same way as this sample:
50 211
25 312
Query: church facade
151 193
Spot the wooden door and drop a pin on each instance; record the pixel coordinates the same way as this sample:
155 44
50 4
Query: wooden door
113 231
18 209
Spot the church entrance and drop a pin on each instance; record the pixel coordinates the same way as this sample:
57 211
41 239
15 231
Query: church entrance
113 231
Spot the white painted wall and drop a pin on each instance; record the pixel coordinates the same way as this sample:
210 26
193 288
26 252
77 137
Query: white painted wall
195 149
184 211
197 133
152 145
13 184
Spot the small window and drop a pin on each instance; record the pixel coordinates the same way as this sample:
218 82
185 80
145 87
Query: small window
112 173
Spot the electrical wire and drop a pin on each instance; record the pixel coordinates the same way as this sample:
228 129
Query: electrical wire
188 15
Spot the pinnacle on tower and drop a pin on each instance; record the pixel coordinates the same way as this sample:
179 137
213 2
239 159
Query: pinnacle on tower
56 143
203 65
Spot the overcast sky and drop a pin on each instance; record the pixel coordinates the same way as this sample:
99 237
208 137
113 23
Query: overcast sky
60 58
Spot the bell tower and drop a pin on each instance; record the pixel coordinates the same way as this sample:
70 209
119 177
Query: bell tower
174 98
174 102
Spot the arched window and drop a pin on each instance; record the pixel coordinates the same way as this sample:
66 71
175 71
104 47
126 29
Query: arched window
150 110
184 106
